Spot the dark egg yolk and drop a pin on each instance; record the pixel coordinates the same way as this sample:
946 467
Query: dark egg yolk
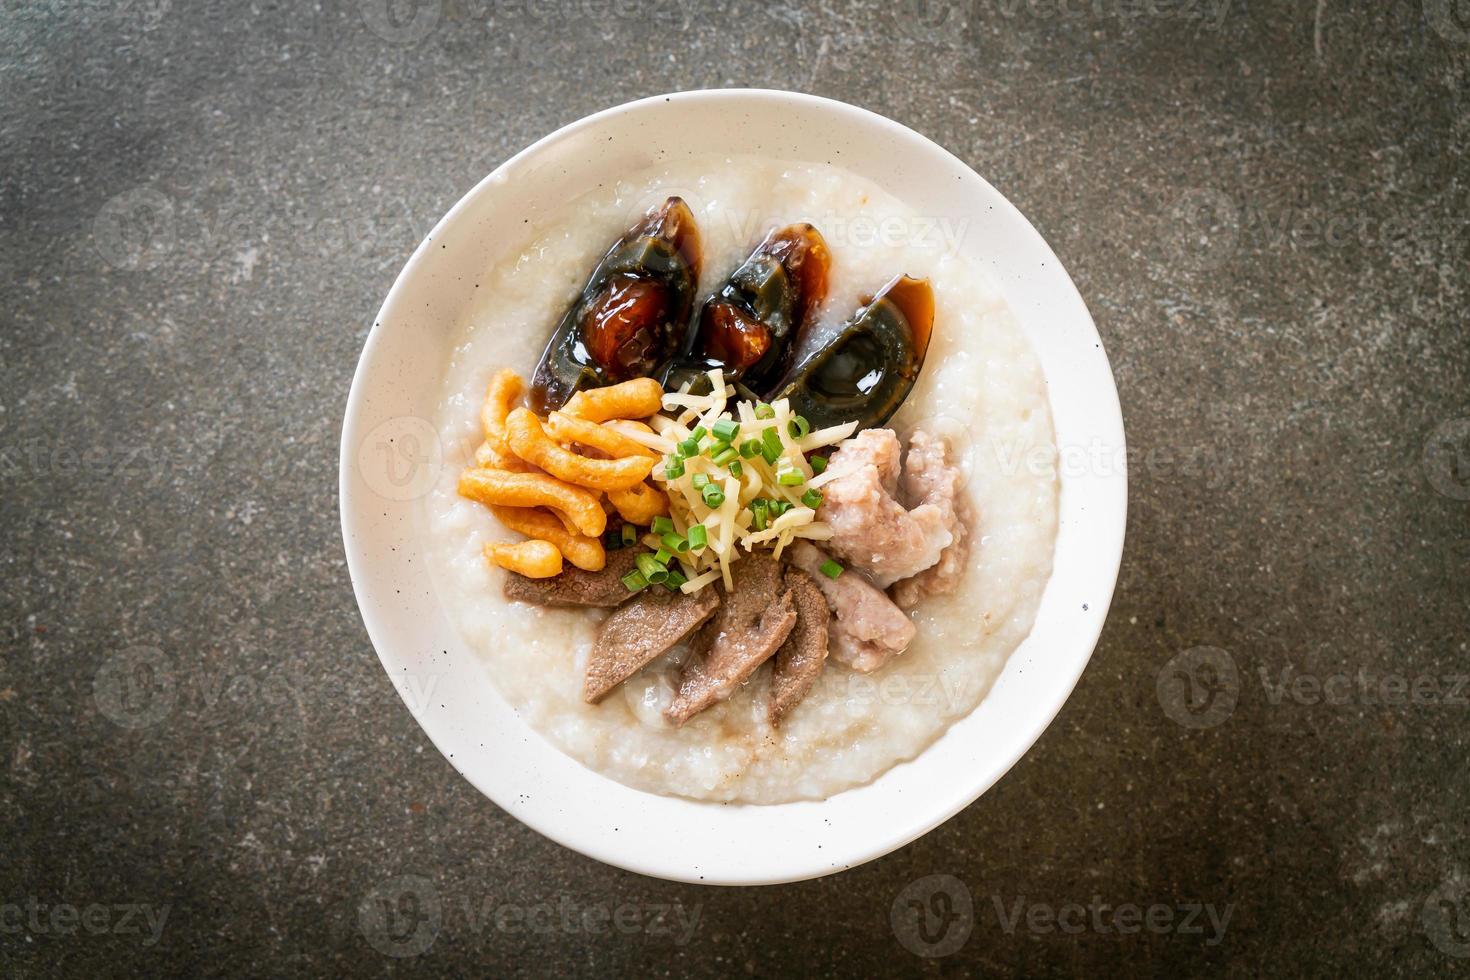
622 326
733 339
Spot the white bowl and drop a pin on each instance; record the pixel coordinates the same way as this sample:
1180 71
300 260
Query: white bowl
390 458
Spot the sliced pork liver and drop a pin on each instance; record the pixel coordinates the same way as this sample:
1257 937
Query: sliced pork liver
755 619
800 659
867 628
574 587
642 629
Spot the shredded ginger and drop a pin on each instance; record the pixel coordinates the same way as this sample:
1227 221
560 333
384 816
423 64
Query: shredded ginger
743 503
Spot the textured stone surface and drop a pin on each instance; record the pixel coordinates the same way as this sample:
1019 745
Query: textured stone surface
201 207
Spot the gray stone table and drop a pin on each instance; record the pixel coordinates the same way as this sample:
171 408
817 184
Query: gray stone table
1263 771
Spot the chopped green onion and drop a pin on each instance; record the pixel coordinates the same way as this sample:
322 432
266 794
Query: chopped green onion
798 427
779 507
634 581
629 534
698 537
771 445
713 496
764 411
673 467
831 569
736 470
689 447
701 480
675 579
650 566
663 556
726 431
724 456
819 464
699 433
790 478
758 513
612 540
812 498
750 447
662 525
672 542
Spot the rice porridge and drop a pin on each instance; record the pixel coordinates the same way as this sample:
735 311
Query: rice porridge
980 388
